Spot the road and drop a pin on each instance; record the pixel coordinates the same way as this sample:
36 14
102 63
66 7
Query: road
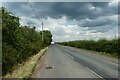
66 62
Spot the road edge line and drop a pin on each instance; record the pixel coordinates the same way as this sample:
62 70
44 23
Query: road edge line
94 73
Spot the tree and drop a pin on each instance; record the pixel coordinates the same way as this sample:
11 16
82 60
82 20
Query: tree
19 42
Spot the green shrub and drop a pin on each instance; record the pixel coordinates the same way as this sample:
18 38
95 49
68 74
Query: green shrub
103 45
19 42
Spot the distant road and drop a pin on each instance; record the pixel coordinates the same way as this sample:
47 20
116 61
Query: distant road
66 62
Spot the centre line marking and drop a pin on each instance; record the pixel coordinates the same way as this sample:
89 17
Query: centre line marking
70 56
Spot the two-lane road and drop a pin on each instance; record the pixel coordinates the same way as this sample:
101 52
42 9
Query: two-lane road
64 62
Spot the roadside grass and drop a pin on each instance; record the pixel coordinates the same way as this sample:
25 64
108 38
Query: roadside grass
25 69
114 55
101 53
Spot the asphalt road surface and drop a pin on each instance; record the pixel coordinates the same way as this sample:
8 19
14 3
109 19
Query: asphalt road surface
66 62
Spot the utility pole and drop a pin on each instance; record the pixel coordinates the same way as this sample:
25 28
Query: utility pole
42 34
115 34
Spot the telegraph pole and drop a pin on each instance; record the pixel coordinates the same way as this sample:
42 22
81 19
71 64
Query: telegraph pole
115 34
42 35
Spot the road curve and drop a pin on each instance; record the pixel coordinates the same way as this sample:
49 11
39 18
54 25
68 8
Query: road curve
64 62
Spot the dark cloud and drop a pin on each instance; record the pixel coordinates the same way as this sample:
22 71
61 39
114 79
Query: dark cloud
73 10
97 16
19 8
119 7
98 22
102 29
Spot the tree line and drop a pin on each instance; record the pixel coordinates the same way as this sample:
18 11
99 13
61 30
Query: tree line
19 42
103 45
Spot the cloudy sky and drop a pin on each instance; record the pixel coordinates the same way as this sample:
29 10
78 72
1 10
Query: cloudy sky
69 21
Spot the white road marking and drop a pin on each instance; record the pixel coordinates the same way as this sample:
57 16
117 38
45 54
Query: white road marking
95 73
70 56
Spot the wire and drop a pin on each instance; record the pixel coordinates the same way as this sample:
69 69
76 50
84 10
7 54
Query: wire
33 9
28 22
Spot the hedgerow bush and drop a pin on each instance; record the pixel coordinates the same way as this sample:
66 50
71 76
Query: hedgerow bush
103 45
19 42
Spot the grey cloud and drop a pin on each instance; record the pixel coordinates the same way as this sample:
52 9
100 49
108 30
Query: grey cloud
102 29
58 31
98 22
82 10
77 10
19 8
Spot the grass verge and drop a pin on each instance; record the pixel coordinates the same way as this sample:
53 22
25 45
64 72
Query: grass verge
99 53
102 53
25 69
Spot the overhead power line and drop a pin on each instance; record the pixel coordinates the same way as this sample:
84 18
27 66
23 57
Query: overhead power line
28 22
38 19
32 9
